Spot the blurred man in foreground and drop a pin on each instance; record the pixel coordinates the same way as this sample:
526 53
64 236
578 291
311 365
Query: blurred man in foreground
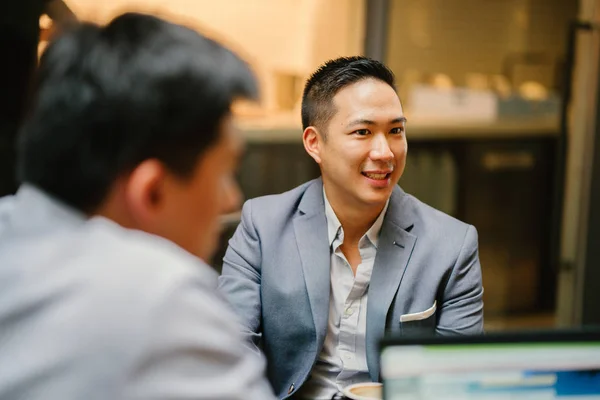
127 160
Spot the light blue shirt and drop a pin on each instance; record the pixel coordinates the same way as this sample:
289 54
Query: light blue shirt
90 310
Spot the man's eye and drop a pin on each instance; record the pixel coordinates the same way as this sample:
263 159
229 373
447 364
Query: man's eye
397 130
362 132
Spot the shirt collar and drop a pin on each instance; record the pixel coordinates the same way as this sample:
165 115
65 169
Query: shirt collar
334 225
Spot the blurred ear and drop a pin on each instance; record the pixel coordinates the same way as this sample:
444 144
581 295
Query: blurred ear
145 191
312 140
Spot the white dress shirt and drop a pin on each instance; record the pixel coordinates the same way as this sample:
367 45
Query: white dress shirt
343 359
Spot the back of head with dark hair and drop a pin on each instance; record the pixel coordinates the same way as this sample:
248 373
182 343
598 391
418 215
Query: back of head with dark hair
330 78
110 97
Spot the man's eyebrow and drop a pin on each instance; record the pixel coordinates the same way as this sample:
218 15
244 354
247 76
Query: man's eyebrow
363 121
398 120
360 122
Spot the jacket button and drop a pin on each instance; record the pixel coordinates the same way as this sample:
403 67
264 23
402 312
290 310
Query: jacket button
291 389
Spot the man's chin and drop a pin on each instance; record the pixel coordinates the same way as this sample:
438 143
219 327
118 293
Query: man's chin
376 199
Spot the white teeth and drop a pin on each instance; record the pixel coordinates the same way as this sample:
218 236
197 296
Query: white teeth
376 176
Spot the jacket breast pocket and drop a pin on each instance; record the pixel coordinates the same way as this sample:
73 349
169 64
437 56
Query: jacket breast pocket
419 323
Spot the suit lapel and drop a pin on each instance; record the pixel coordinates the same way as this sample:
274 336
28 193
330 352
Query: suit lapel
310 228
395 247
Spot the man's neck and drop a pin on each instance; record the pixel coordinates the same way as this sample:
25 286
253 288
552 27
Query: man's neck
355 219
114 208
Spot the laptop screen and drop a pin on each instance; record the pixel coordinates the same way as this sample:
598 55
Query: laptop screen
493 368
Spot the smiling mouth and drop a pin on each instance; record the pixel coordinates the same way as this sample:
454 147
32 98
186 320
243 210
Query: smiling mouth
377 177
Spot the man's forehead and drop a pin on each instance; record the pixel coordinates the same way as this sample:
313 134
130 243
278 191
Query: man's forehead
366 94
370 113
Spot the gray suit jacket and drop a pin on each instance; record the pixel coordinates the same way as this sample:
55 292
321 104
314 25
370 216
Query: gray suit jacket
89 310
276 276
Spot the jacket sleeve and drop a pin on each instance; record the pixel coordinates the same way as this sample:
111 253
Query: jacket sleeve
462 308
240 278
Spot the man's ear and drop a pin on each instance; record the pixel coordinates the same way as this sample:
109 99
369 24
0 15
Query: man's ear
313 140
144 191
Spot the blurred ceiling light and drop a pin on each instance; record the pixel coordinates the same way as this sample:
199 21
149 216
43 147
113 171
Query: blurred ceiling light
531 90
45 22
442 81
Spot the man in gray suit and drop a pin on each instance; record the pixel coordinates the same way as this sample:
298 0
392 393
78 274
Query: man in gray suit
127 161
320 273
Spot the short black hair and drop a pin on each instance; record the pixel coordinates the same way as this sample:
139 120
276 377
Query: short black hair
110 97
330 78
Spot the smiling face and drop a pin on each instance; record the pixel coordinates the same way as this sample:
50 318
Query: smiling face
362 149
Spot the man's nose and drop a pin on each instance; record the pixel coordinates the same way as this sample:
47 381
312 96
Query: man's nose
381 149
